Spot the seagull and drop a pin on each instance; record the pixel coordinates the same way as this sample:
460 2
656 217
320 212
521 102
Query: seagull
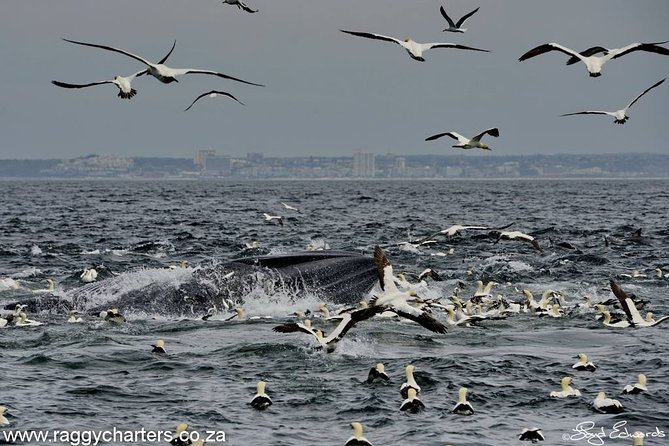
606 405
213 94
357 439
463 407
278 218
261 400
567 390
160 71
412 403
628 306
240 5
517 235
414 49
583 365
466 143
594 63
378 374
532 434
395 300
125 90
456 27
619 115
638 387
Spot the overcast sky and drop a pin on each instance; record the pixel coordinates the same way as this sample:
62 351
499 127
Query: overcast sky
327 93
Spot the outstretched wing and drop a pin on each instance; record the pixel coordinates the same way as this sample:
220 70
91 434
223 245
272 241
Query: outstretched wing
589 112
492 132
116 50
545 48
168 54
178 71
384 269
627 304
372 36
223 93
427 46
465 17
66 85
587 53
448 19
646 91
453 135
650 47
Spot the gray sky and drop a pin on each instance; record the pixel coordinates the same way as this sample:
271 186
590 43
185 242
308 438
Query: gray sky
327 93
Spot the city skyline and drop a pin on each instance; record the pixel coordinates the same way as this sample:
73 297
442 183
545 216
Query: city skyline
326 92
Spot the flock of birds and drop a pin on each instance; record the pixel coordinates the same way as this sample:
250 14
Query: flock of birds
593 58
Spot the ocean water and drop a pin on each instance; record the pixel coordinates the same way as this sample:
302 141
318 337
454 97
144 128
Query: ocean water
95 377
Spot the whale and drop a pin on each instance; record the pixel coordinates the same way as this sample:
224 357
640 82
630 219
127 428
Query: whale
339 277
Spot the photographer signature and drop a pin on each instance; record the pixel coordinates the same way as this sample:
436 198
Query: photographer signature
594 435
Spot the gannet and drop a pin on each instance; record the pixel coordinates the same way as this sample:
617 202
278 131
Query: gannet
463 407
240 5
410 382
289 207
49 289
567 389
89 275
628 306
112 315
357 439
261 400
517 235
25 322
412 403
395 300
160 71
73 317
124 84
278 218
3 421
467 143
638 387
620 115
378 374
594 63
158 347
606 405
213 94
414 49
607 320
456 27
181 437
532 434
583 364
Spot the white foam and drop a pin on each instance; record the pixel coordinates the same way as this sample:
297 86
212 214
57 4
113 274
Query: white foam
35 250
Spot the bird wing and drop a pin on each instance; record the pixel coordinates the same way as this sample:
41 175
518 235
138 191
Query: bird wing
587 53
350 319
465 17
373 36
627 304
646 91
116 50
66 85
246 8
453 135
384 270
427 46
179 71
292 328
451 24
650 47
168 54
589 112
492 132
546 47
213 92
408 312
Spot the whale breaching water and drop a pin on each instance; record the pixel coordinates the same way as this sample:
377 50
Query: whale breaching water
357 439
606 405
378 374
583 365
638 387
412 403
463 407
159 347
532 434
261 400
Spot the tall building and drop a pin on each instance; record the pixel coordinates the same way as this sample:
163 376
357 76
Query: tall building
363 165
200 158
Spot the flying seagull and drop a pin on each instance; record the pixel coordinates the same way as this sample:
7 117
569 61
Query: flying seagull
414 49
240 5
456 27
466 143
213 94
162 72
594 63
619 115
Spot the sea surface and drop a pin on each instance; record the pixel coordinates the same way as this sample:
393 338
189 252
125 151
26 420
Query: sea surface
96 377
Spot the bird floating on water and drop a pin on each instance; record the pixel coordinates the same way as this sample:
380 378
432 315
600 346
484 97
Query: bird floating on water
410 382
357 439
583 365
213 94
25 322
160 71
261 400
378 374
592 62
3 421
412 403
620 115
414 49
633 317
532 434
158 347
73 317
240 5
456 27
89 275
606 405
637 387
468 143
463 407
567 389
